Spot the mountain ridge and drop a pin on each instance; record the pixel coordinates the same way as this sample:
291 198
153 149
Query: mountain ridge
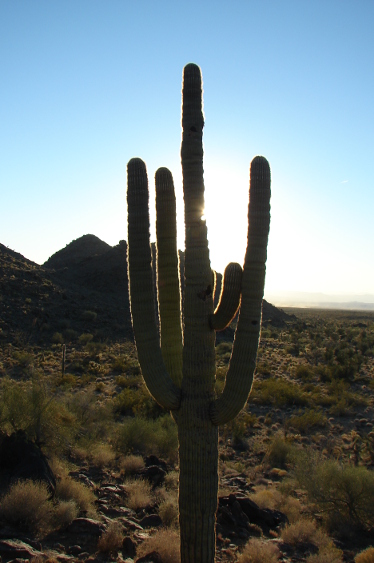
88 275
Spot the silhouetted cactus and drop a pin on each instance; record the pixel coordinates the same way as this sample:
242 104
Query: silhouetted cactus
180 373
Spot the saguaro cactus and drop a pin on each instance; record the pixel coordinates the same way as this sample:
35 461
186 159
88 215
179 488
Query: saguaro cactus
178 365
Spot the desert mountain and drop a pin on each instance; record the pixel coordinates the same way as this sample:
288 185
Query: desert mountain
81 288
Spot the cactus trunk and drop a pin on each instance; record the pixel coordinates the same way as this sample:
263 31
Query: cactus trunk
180 372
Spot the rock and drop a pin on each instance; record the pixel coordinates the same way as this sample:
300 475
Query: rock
130 524
86 526
154 474
154 460
151 521
74 550
10 549
128 547
239 516
21 459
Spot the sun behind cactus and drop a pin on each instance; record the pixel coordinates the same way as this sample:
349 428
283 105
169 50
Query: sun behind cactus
180 371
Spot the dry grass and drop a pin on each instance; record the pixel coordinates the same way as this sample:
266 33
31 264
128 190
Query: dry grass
168 511
69 489
139 493
132 464
27 505
166 542
275 500
258 551
306 531
366 556
102 455
64 513
330 556
111 539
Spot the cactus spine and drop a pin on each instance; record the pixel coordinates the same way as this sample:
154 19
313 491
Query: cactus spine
180 373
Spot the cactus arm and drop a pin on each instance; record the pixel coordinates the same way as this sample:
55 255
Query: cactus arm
229 299
141 292
168 275
239 377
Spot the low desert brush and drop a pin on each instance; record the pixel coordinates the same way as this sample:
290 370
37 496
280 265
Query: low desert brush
276 500
131 464
27 505
139 493
65 511
258 551
69 489
111 539
343 493
366 556
165 542
168 511
306 531
102 455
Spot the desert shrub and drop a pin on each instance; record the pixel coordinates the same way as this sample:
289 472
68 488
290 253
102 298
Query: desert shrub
136 401
24 359
366 556
304 372
32 408
57 338
64 513
332 555
263 368
280 452
132 464
70 335
111 539
138 493
301 531
85 338
237 428
92 416
276 500
258 551
126 364
278 392
67 489
168 511
27 505
343 493
311 418
166 542
90 316
306 531
102 455
139 435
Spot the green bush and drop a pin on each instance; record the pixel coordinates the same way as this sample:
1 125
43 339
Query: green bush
280 452
343 493
89 316
278 392
139 435
32 408
305 373
307 421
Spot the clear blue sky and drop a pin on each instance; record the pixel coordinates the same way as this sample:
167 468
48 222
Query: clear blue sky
87 84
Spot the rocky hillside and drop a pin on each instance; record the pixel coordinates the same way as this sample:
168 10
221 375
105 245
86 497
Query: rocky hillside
81 288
